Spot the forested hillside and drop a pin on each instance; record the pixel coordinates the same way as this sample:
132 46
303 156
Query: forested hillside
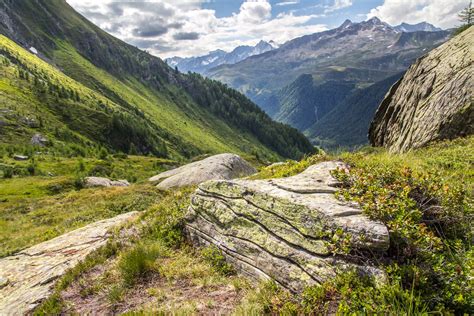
136 101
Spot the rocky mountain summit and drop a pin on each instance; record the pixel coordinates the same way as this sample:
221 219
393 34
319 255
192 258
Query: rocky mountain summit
283 229
432 101
202 64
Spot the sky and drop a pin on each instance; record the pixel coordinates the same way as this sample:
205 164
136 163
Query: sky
167 28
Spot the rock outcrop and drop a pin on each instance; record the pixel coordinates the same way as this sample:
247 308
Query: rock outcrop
90 182
29 276
432 101
217 167
283 229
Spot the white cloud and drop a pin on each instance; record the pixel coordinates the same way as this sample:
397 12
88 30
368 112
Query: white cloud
181 27
338 5
442 13
287 3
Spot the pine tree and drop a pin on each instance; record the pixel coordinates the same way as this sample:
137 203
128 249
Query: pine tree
467 14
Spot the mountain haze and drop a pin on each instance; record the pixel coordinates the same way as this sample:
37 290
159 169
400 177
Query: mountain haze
140 102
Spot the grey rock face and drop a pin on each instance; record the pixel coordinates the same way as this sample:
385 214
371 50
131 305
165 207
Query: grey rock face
20 157
90 182
283 229
29 276
39 140
432 101
217 167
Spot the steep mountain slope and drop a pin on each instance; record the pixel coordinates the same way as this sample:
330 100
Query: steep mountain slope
347 125
189 114
218 57
303 102
433 100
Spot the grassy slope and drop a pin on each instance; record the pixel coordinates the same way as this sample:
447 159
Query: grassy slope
191 115
196 128
193 125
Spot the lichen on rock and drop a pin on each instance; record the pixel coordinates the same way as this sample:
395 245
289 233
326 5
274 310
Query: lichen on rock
282 229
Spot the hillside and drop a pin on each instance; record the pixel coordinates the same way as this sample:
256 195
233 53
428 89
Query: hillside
432 101
347 124
171 114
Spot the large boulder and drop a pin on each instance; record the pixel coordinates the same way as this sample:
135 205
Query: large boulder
284 229
29 277
90 182
217 167
432 101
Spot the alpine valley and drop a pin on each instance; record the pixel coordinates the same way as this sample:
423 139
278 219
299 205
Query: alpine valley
309 81
332 174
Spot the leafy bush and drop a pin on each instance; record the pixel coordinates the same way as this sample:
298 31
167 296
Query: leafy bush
7 172
214 256
429 217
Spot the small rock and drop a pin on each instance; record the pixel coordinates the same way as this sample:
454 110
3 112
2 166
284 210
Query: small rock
3 281
31 122
39 140
90 182
33 50
20 157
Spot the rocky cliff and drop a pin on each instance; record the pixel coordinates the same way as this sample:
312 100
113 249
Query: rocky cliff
432 101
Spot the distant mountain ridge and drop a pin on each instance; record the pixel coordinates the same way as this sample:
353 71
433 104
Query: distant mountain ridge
422 26
356 55
202 64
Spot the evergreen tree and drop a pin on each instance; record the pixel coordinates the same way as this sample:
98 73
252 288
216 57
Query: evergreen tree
467 14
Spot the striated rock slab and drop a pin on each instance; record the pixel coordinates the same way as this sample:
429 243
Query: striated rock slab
217 167
90 182
29 276
283 229
432 101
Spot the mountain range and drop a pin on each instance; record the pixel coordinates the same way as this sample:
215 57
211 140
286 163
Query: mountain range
219 57
78 87
306 78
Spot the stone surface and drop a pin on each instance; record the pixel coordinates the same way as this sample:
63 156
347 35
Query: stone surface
432 101
39 140
283 229
30 275
90 182
20 157
217 167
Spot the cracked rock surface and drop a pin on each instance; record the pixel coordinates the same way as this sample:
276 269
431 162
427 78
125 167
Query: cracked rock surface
30 275
283 229
432 101
217 167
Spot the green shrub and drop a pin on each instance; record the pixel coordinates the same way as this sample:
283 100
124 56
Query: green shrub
216 258
137 263
428 212
7 172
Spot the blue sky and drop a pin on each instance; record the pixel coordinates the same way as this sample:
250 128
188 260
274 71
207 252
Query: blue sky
194 27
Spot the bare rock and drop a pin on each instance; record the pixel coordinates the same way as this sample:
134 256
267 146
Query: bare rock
283 229
20 157
39 140
217 167
32 273
90 182
432 101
